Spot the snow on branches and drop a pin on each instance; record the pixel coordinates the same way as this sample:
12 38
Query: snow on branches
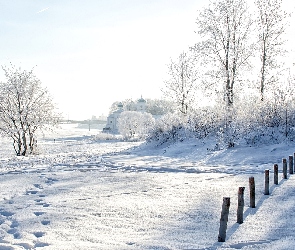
25 108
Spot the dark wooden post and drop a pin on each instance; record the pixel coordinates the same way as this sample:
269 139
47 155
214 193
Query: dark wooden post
224 219
284 168
252 191
240 211
266 181
290 164
276 174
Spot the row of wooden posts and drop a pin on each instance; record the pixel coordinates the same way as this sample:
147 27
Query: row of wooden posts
240 209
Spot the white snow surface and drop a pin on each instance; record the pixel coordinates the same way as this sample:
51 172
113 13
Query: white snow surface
81 193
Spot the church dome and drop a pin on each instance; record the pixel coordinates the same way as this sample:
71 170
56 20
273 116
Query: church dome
141 100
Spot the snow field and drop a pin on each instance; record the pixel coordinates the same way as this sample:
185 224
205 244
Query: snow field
96 210
85 194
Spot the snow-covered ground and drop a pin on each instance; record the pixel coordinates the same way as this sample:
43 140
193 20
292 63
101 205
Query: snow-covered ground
81 193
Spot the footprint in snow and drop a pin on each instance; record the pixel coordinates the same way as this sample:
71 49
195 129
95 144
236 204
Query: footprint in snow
39 213
31 192
50 180
6 213
40 202
38 186
39 234
15 233
14 224
41 244
45 222
24 245
12 231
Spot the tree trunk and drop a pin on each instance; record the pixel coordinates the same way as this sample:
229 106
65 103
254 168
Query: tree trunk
262 80
25 146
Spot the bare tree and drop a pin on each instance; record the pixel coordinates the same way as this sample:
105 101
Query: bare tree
225 48
25 108
271 24
182 83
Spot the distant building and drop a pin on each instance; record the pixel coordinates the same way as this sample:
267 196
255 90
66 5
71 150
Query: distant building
141 105
112 119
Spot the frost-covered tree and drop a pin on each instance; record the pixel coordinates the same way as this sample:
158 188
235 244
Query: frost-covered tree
271 23
25 108
133 123
225 49
159 106
181 85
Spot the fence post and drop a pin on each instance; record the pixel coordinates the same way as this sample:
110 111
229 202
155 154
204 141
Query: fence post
266 181
240 211
224 219
252 191
290 164
284 168
276 174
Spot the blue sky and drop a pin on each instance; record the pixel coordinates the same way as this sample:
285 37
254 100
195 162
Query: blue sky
92 53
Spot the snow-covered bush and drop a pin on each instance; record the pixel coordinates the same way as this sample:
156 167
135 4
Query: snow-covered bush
170 127
147 122
106 137
133 124
251 124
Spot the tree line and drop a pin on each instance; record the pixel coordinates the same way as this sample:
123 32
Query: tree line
234 82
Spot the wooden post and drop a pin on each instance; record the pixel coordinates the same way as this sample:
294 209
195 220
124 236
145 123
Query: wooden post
290 164
266 181
240 211
252 191
294 163
276 174
224 219
284 168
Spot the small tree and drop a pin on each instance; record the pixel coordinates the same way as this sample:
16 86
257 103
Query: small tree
159 106
182 83
25 108
271 24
